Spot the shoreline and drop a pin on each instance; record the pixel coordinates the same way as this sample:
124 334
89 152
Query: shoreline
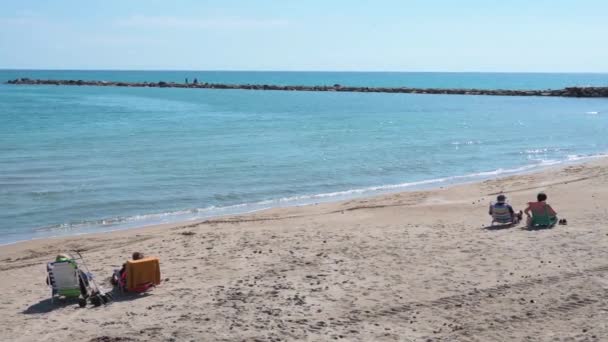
581 92
414 265
305 200
425 185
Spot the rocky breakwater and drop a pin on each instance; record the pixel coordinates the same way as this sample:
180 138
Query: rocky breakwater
566 92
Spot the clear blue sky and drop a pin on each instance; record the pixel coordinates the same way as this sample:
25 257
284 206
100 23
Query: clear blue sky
394 35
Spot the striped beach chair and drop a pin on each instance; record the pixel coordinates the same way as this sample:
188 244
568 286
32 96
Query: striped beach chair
501 215
63 278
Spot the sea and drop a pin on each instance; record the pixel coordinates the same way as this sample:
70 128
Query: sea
76 160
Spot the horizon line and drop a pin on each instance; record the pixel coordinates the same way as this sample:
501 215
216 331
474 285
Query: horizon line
303 71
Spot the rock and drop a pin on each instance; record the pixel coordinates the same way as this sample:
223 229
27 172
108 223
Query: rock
566 92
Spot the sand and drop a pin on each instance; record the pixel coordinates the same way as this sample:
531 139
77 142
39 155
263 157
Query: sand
412 266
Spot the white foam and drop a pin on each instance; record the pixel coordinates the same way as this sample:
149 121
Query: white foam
579 157
468 142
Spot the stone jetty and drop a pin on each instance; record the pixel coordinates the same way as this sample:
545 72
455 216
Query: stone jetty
566 92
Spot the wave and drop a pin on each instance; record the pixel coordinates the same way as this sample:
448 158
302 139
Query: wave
468 142
579 157
542 150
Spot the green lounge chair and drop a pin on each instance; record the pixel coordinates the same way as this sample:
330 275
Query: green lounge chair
63 279
543 220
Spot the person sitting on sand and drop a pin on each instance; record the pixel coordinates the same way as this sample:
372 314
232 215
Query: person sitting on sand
118 274
540 208
502 212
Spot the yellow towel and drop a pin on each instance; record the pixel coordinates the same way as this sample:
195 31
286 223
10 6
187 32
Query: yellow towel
142 271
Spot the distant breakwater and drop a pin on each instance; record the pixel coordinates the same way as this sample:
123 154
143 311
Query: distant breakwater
566 92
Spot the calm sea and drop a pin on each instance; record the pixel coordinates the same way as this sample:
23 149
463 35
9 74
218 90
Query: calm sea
82 159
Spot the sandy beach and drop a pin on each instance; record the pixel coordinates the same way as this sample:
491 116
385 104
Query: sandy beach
412 266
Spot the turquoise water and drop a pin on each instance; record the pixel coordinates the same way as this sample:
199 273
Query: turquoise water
82 159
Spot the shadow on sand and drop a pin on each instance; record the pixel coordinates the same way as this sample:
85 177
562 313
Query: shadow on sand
524 227
118 296
46 306
538 228
500 226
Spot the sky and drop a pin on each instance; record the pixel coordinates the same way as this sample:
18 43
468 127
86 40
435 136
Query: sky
336 35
